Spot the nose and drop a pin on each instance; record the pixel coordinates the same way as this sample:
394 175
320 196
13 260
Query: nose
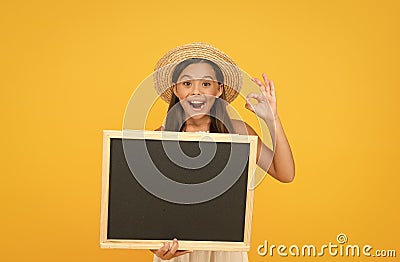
196 87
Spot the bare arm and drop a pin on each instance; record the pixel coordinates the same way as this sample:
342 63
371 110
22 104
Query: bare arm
282 167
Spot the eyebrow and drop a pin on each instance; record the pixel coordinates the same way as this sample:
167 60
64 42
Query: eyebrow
190 77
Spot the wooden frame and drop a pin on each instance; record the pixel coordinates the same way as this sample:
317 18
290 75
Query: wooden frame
181 136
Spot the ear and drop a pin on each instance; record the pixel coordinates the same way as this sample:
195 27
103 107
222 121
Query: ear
174 90
220 90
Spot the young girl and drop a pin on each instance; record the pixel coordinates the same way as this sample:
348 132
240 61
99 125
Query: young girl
198 80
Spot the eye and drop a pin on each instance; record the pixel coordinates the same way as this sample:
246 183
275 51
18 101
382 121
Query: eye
206 84
187 83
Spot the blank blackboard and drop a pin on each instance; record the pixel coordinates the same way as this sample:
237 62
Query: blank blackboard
135 214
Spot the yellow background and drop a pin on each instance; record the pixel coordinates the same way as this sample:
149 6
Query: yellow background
68 69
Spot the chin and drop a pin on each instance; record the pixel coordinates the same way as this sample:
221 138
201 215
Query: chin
198 116
195 115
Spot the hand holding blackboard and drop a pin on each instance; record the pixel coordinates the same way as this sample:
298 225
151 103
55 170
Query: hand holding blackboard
168 251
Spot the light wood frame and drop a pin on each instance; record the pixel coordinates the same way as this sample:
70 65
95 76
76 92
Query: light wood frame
182 136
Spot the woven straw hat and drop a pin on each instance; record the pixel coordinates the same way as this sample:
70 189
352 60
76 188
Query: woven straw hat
166 65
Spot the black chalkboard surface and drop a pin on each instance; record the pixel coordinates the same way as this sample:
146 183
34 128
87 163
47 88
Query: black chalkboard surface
151 194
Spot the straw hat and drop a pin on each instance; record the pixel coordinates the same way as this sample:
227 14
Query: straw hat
166 65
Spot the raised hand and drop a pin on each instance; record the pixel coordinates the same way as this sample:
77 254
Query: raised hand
265 107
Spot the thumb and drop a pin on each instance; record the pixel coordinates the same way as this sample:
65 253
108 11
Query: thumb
249 106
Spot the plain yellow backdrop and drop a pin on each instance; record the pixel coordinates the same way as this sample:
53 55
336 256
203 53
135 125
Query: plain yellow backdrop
68 69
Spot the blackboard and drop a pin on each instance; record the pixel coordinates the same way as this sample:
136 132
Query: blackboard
149 195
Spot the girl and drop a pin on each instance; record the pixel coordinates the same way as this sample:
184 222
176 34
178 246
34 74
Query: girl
198 80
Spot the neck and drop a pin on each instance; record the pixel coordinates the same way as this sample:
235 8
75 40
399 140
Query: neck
198 124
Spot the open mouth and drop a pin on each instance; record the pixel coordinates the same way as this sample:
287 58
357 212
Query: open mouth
197 105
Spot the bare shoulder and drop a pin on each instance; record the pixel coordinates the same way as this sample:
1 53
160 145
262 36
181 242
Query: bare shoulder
242 128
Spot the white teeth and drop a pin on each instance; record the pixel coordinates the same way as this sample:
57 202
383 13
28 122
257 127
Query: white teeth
197 105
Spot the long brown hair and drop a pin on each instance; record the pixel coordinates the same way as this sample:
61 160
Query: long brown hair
220 120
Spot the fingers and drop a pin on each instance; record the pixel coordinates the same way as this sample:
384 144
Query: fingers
170 254
272 88
267 88
261 86
162 250
259 97
167 252
256 96
249 106
267 83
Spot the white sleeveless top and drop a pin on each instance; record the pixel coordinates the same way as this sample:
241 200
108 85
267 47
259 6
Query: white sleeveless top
208 256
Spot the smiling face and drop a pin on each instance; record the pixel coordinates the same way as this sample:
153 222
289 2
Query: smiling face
197 87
